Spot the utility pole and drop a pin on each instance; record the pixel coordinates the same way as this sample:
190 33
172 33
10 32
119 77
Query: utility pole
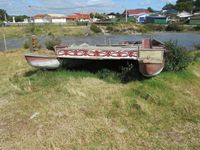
126 11
126 16
5 44
4 36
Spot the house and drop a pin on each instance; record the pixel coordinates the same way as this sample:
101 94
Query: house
136 12
41 18
170 12
111 15
139 14
49 18
57 18
184 14
84 17
195 20
142 18
156 19
184 17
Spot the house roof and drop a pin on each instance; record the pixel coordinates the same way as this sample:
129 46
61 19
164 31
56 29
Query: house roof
137 11
57 16
53 16
170 12
38 16
79 16
184 14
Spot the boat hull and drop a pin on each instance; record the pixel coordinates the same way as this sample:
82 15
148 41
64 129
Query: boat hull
43 62
151 69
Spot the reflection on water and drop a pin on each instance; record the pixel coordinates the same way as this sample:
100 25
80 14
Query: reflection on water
183 39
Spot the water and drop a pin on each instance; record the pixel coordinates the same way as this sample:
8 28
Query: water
184 39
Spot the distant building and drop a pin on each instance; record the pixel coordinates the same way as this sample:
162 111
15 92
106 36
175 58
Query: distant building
57 18
195 20
142 18
139 14
136 12
156 19
184 14
111 16
41 18
49 18
84 17
170 12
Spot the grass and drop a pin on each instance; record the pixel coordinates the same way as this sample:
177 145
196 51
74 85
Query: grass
80 110
57 30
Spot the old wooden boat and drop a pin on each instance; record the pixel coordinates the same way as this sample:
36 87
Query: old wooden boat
42 62
149 53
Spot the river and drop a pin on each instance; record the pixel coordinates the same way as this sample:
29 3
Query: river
184 39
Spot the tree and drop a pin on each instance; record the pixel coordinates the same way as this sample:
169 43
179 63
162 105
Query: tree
169 6
20 18
3 15
197 5
150 9
184 5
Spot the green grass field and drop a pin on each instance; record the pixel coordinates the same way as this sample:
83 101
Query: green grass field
78 110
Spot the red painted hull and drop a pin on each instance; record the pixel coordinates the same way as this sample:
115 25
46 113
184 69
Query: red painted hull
151 69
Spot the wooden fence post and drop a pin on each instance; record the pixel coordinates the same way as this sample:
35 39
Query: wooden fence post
5 44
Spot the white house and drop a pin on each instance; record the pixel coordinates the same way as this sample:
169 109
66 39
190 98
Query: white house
41 18
139 14
142 18
49 18
57 18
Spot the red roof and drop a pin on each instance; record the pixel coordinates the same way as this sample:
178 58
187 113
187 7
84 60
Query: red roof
79 16
137 12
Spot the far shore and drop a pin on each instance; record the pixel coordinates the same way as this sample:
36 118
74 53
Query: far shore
69 30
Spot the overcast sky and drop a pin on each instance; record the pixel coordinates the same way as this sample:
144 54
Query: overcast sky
31 7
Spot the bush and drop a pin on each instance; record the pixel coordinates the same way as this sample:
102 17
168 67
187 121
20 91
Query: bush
197 56
196 46
51 42
130 72
196 28
26 45
33 29
177 58
174 27
109 28
95 28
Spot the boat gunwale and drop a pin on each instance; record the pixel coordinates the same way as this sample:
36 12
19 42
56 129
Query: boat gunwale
42 56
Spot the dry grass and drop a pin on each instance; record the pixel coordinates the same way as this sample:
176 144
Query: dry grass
58 30
77 110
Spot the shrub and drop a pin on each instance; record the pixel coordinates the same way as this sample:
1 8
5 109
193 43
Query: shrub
51 42
196 46
33 29
174 27
108 75
196 28
130 72
196 55
26 45
109 28
177 58
95 28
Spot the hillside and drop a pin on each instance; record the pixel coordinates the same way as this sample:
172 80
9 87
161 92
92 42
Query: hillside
77 110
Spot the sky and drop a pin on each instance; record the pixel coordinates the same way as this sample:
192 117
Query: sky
32 7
